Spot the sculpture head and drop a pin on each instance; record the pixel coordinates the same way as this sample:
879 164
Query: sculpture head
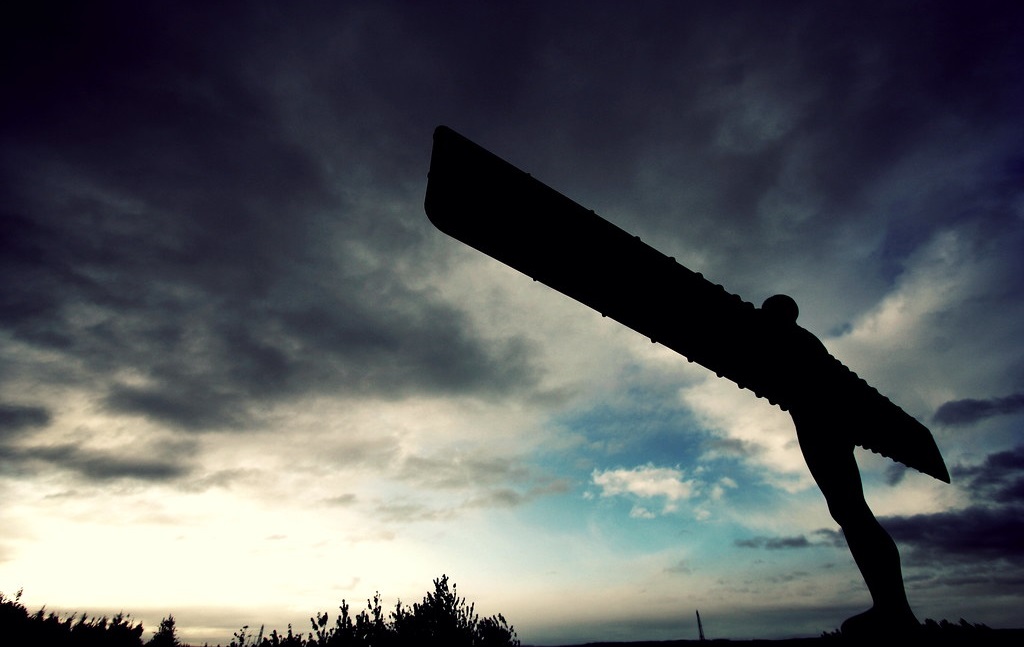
781 307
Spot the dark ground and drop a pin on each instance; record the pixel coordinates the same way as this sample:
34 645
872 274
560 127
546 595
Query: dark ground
948 634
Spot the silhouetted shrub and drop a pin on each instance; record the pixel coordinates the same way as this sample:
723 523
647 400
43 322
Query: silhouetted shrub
17 627
442 618
14 621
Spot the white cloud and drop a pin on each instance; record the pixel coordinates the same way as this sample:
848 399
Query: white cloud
640 512
946 330
719 488
646 481
764 434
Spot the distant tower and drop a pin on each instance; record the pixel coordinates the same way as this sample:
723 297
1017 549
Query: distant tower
700 627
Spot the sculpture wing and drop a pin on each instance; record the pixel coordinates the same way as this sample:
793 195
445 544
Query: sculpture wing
489 204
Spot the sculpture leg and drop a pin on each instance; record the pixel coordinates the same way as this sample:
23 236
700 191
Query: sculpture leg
831 461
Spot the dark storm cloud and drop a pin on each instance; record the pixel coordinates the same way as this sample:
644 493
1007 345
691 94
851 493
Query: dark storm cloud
975 534
774 543
878 67
15 418
224 206
981 545
999 479
989 530
831 537
969 411
894 473
228 202
163 216
186 406
820 537
778 138
93 465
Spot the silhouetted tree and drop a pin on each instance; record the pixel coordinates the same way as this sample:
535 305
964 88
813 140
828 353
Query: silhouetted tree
166 635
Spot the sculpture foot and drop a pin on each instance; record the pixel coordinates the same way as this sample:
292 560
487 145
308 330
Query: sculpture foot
877 623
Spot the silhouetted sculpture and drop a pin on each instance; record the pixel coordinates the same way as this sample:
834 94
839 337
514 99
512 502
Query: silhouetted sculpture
487 203
826 441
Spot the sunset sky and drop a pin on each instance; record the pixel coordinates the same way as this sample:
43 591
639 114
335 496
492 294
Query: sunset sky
242 377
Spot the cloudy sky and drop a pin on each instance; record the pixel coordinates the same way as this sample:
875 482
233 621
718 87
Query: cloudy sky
243 378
